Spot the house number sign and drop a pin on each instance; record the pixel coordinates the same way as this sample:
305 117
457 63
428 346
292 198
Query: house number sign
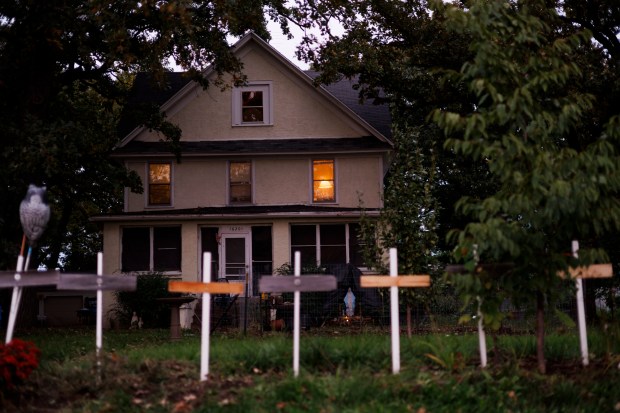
237 229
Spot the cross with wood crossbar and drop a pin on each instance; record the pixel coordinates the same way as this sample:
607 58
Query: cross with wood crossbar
206 288
395 281
98 283
297 284
579 273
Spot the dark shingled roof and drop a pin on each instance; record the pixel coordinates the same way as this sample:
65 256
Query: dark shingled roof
268 146
377 115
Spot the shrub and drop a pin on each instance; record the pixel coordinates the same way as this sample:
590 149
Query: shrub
143 301
17 360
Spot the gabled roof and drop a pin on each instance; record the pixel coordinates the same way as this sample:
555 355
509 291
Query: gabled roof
374 118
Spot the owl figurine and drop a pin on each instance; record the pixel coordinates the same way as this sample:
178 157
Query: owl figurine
34 213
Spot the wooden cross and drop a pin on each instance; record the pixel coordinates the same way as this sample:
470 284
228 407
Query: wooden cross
394 281
297 284
578 273
493 269
206 288
18 280
97 283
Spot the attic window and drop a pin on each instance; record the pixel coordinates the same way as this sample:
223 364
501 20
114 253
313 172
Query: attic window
252 105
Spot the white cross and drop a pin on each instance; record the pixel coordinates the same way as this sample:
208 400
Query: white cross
394 281
297 284
206 288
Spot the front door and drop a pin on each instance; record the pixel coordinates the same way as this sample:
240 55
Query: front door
235 253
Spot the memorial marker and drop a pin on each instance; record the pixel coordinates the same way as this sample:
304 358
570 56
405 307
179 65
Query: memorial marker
99 283
297 284
19 280
493 269
579 273
394 281
206 288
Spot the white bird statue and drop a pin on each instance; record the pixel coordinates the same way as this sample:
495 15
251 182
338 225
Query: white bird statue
34 213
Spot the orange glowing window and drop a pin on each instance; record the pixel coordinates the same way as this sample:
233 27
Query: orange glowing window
323 187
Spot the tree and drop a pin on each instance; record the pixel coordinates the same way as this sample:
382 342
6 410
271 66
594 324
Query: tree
63 81
555 185
404 50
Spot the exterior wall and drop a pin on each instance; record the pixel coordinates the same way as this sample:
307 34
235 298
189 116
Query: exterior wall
298 110
276 181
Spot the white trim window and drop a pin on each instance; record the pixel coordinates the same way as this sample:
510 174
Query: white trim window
252 104
159 176
151 249
240 182
323 180
325 244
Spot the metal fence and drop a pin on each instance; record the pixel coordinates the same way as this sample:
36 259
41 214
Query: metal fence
274 312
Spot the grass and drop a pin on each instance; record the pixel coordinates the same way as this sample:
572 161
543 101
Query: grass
142 371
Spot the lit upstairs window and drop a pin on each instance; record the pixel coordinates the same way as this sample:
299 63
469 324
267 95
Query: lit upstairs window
323 184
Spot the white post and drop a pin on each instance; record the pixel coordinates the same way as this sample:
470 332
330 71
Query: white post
296 316
14 302
206 318
394 314
99 334
482 340
581 313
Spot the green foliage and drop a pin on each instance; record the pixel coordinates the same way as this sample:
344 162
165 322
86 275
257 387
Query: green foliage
65 70
143 301
551 188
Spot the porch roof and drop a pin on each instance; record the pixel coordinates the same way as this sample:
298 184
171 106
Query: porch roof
255 147
237 212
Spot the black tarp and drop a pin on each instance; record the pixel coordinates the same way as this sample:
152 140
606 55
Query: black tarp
367 300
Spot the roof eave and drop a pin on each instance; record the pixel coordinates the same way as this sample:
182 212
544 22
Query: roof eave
223 216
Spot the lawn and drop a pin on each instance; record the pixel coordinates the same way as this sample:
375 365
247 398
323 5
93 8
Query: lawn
142 371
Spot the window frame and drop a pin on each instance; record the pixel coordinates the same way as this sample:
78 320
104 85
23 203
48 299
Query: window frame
263 86
333 180
149 185
349 245
229 186
152 253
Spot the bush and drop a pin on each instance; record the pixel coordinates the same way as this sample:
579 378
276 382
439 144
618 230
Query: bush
17 360
143 301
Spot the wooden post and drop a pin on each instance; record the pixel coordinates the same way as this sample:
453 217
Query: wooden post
394 281
297 284
206 288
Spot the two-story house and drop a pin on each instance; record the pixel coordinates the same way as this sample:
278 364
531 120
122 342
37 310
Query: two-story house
271 167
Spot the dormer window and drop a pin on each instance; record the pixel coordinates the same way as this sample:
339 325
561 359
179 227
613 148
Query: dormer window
252 105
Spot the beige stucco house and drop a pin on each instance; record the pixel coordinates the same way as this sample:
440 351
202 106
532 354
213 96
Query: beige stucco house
275 166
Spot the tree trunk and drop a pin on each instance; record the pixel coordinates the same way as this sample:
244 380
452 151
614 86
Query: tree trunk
55 244
409 329
540 332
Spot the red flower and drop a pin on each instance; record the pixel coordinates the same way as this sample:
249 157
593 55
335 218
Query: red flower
17 360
